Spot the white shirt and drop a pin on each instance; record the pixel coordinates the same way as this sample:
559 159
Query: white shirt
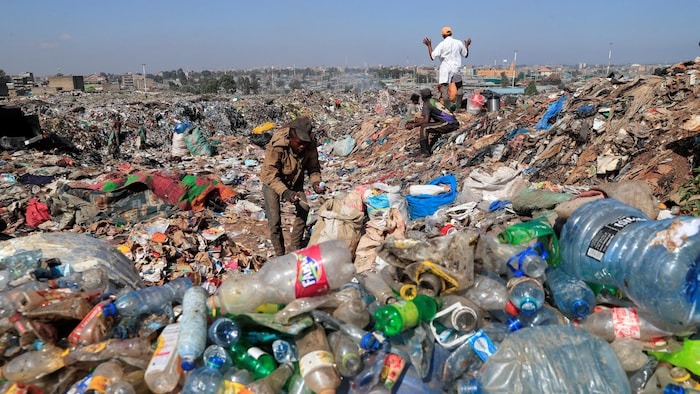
450 52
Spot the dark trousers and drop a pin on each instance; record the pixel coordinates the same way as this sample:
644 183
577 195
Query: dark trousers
437 128
274 221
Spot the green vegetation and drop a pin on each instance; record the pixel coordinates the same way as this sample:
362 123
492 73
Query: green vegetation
531 89
689 195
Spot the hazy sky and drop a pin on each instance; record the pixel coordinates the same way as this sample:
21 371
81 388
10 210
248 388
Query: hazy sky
83 37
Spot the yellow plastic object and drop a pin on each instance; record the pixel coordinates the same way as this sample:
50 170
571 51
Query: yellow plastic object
449 283
408 292
264 127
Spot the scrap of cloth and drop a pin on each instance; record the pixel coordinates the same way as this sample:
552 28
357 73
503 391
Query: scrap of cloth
136 197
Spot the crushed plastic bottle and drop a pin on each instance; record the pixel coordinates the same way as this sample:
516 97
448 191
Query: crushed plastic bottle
551 359
347 354
307 272
571 295
207 379
527 294
404 314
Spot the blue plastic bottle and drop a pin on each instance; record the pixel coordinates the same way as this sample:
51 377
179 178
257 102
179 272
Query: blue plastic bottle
193 327
152 299
208 378
571 295
526 294
656 263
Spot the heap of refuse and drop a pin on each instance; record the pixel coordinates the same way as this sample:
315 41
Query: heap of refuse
551 245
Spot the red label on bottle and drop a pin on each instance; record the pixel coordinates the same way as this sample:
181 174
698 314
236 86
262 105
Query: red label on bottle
75 337
626 323
311 275
391 370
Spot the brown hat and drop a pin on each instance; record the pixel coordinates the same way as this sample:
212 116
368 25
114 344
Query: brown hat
446 31
425 92
302 128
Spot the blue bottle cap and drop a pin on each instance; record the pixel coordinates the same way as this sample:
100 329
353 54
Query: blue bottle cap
514 324
580 308
369 342
109 310
187 364
673 389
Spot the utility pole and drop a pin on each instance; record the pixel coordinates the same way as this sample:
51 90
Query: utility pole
609 60
145 89
515 57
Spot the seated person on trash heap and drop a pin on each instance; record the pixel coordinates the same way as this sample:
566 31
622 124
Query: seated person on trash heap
435 119
290 153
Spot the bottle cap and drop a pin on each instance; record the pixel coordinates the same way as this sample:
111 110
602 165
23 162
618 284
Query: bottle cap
580 308
514 324
369 342
109 310
448 229
187 364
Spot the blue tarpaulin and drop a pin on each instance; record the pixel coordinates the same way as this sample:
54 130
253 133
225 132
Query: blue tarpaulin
551 114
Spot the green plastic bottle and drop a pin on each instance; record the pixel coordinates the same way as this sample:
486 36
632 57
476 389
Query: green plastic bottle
253 359
525 232
688 357
404 314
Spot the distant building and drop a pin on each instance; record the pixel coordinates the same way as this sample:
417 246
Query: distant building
128 82
544 72
492 73
61 83
23 83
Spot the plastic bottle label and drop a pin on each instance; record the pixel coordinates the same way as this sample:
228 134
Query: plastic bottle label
311 274
167 343
602 239
482 345
313 360
76 335
626 323
99 384
255 352
391 370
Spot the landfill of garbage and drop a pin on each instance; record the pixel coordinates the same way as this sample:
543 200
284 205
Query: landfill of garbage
550 245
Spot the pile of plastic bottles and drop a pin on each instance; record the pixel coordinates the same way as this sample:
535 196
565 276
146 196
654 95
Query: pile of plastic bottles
607 305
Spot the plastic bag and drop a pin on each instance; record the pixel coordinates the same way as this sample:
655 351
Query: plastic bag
426 205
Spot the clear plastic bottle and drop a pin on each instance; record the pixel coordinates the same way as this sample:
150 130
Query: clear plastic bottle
273 383
152 299
404 314
224 332
514 260
347 354
236 380
120 387
207 379
134 348
365 339
612 323
304 273
653 262
316 361
551 359
95 326
353 312
526 294
21 263
458 313
163 371
571 295
487 293
33 364
193 327
544 316
104 375
11 300
375 285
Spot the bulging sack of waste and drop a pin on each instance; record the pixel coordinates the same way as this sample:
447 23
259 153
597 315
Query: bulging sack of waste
307 272
656 263
551 359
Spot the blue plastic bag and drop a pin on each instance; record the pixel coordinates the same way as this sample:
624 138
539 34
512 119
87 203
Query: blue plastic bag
551 115
425 205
